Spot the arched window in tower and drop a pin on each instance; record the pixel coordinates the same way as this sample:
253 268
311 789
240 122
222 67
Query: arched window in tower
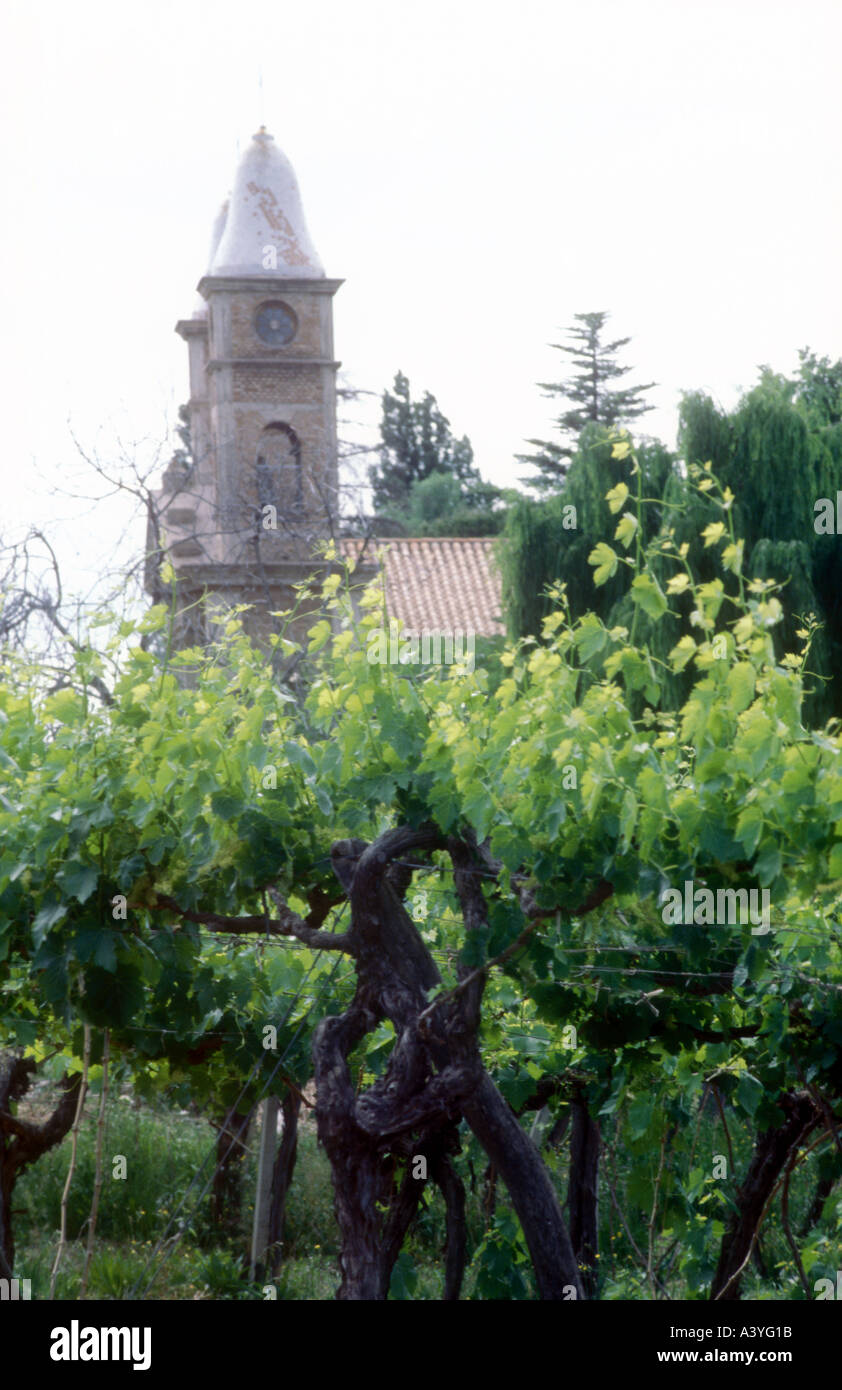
278 472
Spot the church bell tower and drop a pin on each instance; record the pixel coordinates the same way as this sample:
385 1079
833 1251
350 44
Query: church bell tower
242 516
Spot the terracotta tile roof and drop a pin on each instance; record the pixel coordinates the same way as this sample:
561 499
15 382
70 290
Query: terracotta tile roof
439 583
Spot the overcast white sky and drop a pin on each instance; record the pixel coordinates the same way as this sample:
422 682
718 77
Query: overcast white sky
476 171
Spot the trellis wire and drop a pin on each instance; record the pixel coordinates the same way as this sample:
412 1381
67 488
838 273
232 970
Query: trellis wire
237 939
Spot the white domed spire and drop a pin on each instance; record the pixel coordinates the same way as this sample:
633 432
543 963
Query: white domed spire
265 232
201 308
216 234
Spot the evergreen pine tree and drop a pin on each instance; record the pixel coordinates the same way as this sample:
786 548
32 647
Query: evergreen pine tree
591 397
415 442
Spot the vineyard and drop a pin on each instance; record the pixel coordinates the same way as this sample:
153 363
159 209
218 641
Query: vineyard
490 937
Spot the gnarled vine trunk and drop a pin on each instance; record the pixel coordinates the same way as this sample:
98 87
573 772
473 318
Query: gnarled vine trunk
583 1191
22 1143
771 1151
435 1076
282 1171
231 1150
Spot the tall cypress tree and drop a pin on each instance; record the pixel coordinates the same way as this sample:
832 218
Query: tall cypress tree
591 397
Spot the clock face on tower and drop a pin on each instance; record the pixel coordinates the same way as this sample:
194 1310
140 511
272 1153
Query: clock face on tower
276 324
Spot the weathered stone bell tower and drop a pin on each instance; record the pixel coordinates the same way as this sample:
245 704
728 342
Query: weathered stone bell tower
241 521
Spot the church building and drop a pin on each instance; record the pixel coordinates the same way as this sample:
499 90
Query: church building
243 518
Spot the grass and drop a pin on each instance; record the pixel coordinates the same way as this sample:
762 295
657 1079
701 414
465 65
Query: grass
164 1151
168 1153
